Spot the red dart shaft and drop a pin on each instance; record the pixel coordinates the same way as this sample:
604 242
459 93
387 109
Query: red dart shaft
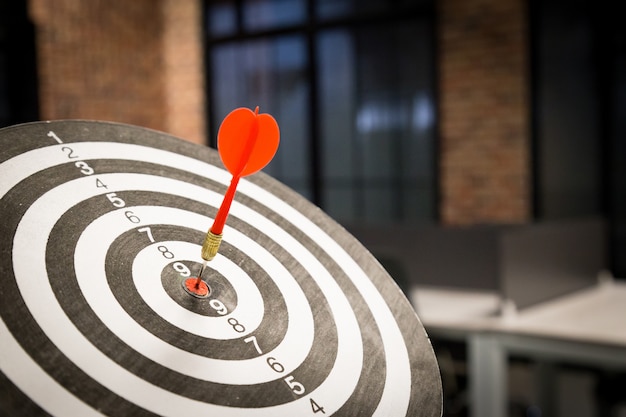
222 213
217 228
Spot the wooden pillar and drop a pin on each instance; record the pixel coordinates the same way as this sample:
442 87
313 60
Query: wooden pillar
485 140
136 62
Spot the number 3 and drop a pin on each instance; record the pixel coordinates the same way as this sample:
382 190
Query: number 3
85 169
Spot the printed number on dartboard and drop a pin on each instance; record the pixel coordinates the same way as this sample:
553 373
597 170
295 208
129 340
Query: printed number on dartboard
71 154
295 386
118 202
217 305
179 267
85 169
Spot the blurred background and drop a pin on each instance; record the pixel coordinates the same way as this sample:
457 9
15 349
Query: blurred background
475 146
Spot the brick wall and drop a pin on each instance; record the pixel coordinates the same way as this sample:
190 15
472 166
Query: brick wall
117 60
484 166
140 62
184 69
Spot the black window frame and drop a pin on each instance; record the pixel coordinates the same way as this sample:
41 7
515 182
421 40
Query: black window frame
309 28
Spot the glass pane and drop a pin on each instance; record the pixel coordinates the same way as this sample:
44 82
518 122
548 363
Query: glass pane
222 18
329 9
271 75
270 14
333 8
377 123
337 109
568 129
326 9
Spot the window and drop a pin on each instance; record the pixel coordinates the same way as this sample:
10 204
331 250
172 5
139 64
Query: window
567 123
18 76
352 87
580 112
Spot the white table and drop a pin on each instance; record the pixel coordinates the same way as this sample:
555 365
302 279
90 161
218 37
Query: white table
587 327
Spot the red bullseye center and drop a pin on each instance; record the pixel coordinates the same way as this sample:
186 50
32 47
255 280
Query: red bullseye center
197 288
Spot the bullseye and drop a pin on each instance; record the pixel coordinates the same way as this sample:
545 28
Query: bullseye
197 288
101 312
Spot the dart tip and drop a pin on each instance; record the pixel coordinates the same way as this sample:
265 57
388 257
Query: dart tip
201 272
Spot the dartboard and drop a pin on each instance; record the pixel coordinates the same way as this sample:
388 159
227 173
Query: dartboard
101 225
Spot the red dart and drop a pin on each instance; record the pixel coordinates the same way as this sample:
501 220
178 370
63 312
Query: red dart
246 141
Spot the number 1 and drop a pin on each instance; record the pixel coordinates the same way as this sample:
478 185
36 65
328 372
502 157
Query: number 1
53 135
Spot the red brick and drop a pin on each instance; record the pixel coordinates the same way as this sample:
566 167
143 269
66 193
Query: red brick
484 175
117 60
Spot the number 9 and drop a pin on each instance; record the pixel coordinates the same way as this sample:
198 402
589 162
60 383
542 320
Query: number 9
218 306
181 268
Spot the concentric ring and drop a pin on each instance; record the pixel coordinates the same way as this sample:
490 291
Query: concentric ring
307 324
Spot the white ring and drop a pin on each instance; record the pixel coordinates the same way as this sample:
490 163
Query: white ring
147 268
396 389
149 264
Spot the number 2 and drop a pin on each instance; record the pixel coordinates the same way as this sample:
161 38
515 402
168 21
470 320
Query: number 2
70 152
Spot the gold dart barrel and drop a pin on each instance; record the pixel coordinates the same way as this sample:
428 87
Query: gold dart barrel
211 245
